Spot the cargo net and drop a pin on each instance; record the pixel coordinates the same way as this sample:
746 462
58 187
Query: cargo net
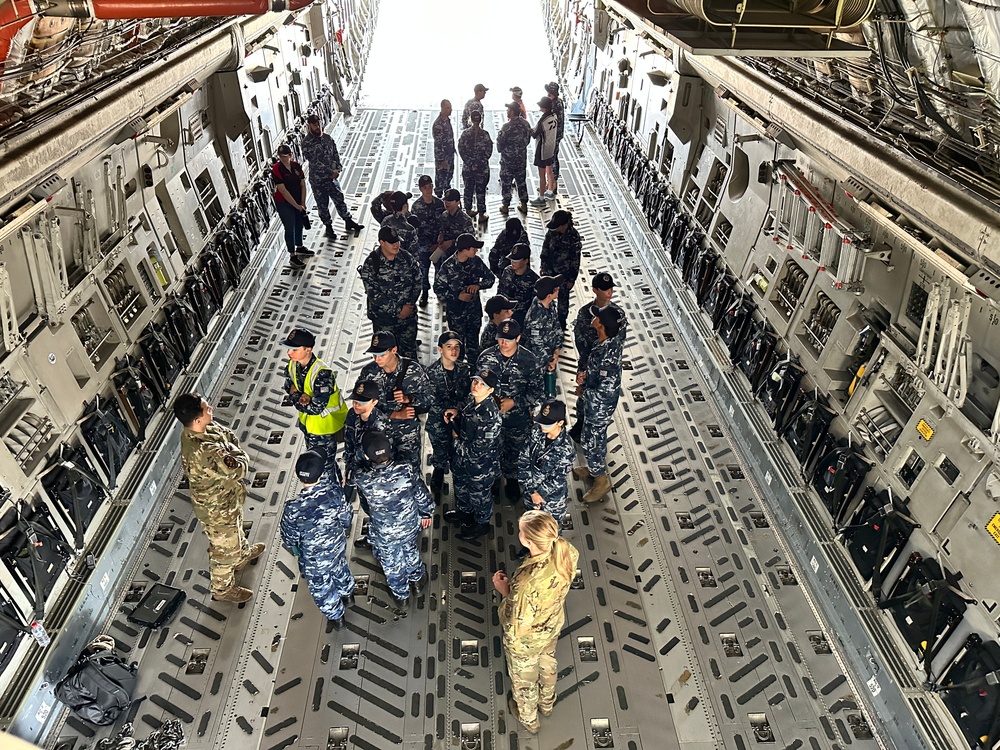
170 736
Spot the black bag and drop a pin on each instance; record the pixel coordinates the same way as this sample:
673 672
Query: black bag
99 686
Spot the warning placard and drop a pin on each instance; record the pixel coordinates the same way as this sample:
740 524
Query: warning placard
994 527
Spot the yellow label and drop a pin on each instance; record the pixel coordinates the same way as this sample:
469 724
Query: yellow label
925 430
994 527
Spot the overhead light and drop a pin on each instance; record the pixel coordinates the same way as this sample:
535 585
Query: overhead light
658 77
259 74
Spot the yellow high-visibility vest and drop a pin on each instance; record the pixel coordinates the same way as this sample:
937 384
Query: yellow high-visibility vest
332 418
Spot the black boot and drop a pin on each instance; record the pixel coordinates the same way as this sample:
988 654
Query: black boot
473 531
576 431
421 584
338 624
330 234
437 479
353 226
423 299
512 490
457 516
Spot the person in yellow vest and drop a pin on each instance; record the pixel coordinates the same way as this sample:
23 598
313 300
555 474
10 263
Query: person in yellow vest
312 389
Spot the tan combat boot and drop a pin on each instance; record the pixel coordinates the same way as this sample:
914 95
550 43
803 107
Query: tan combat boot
581 472
602 486
234 594
255 551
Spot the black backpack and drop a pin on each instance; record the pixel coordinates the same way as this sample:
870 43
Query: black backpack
99 686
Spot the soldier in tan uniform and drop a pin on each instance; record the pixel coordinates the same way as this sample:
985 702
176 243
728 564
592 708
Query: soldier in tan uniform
215 466
532 614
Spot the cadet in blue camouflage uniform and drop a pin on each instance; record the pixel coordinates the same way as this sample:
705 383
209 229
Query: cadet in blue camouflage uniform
547 461
314 528
452 222
312 389
399 221
392 282
512 234
426 210
542 332
517 282
444 149
457 284
498 309
404 392
561 253
215 466
598 401
400 508
320 150
532 614
475 104
559 110
512 143
477 428
519 387
381 205
475 146
364 416
449 379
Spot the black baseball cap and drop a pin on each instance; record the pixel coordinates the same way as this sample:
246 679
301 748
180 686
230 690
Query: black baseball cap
551 412
546 285
310 465
552 87
300 337
447 336
509 330
400 199
488 376
284 150
610 320
476 116
545 103
365 390
376 446
388 234
424 179
314 119
520 252
603 281
382 341
497 303
452 195
514 225
559 218
466 241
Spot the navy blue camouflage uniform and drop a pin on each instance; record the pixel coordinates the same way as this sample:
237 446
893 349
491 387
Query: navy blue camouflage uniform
504 243
390 285
473 105
452 225
512 143
444 154
428 216
561 253
314 527
542 332
417 388
585 337
477 458
598 400
464 318
544 467
321 153
397 499
407 234
475 146
520 379
355 428
518 289
448 390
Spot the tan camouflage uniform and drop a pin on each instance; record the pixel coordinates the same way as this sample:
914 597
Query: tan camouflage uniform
532 618
215 466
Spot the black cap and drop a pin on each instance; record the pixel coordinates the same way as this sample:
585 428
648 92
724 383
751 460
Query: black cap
509 330
447 336
313 119
300 337
546 285
424 179
480 87
497 303
488 376
520 252
452 195
284 150
382 342
603 281
545 103
466 241
551 412
609 320
559 218
388 234
476 116
309 466
514 226
400 199
552 87
376 446
365 390
516 90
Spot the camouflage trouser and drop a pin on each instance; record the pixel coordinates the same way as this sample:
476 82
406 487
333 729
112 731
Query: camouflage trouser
513 174
513 438
222 523
328 444
555 161
443 172
404 330
329 579
400 561
439 434
533 679
467 327
325 191
408 436
424 256
595 444
554 506
473 492
475 183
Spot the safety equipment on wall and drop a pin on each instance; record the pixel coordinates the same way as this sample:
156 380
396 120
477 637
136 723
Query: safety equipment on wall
72 483
970 688
757 354
840 472
108 436
138 391
34 551
807 427
718 297
876 535
164 360
777 391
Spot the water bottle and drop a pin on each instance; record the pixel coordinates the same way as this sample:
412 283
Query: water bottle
39 633
550 384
